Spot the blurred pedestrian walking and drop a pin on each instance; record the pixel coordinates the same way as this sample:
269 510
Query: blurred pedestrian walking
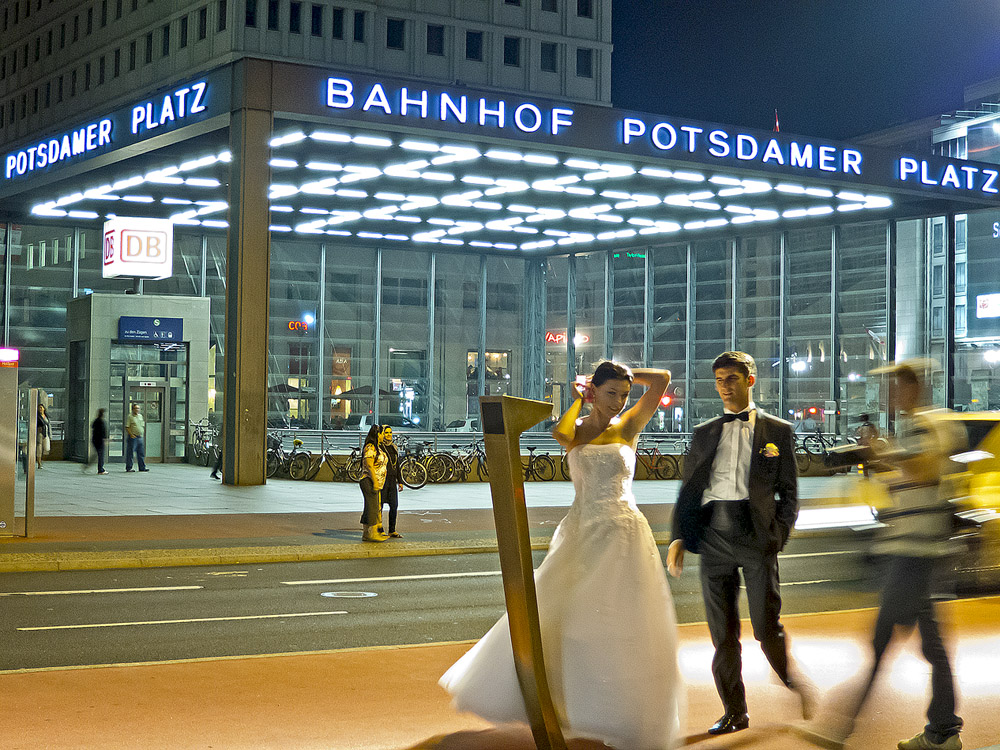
99 442
43 436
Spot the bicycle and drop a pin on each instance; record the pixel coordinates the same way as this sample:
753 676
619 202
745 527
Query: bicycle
412 472
473 454
277 459
660 465
816 444
205 444
538 467
304 467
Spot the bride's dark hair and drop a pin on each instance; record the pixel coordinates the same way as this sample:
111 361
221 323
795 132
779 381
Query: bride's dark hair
609 370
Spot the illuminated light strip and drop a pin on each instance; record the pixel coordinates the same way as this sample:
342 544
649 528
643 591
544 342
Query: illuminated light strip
280 209
541 159
329 137
419 146
502 155
279 228
284 140
371 140
323 166
689 176
656 172
581 164
283 163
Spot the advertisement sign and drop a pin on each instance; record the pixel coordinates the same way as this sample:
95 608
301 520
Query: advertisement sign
132 328
138 247
982 275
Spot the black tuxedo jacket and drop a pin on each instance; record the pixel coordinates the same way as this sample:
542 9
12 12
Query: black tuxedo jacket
773 502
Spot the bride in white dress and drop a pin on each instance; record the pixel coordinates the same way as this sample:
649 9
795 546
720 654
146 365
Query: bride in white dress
609 633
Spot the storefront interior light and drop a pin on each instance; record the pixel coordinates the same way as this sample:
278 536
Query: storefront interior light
289 163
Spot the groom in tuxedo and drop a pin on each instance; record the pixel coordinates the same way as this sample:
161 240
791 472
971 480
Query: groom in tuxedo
737 505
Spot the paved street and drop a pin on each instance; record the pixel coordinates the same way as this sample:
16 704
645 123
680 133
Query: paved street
122 616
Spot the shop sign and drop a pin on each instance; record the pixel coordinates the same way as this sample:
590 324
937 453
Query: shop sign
298 325
138 247
131 328
559 337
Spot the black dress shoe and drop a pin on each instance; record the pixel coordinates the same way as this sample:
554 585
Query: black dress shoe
730 723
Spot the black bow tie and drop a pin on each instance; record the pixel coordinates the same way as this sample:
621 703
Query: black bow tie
743 416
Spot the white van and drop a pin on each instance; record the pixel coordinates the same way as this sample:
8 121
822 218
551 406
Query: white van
469 424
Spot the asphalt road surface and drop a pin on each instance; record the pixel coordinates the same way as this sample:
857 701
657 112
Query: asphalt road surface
144 615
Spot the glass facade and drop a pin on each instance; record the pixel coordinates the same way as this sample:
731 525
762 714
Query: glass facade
426 332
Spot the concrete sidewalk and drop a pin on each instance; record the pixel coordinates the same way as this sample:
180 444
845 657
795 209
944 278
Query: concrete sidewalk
388 698
176 515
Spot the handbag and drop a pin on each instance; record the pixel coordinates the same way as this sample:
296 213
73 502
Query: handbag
46 445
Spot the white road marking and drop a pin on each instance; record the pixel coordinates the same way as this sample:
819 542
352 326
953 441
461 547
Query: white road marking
176 622
394 578
820 554
431 576
99 591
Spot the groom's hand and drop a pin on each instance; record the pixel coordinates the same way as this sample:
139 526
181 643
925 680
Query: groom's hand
675 558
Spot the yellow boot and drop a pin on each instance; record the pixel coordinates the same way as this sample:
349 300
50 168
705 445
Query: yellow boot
371 534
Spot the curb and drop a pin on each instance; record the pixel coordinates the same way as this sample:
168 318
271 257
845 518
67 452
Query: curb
35 562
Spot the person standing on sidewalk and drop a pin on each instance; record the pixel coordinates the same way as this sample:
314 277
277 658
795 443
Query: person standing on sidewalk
99 440
375 461
390 491
43 436
135 430
916 541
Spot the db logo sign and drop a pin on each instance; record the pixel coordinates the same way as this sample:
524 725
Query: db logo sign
138 247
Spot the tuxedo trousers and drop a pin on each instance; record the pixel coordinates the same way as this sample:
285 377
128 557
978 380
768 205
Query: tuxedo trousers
723 557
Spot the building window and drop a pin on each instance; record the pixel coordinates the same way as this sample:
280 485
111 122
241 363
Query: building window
585 8
404 292
937 281
118 9
86 77
62 36
395 31
223 12
135 5
359 25
202 23
960 318
104 13
48 43
961 235
585 63
512 51
435 40
34 101
937 322
473 45
338 23
961 277
937 238
295 17
165 48
13 63
59 93
183 41
3 68
317 20
149 48
90 21
131 55
272 15
550 6
38 48
116 68
101 70
512 2
48 94
76 28
549 59
250 18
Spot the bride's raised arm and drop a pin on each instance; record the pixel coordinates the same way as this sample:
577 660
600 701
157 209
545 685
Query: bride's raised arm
565 430
636 418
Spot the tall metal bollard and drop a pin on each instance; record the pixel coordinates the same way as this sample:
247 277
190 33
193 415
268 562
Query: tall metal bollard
8 438
504 418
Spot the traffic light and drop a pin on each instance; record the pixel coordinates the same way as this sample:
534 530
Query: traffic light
666 399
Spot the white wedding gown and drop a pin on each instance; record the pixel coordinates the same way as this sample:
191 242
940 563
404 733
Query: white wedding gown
609 633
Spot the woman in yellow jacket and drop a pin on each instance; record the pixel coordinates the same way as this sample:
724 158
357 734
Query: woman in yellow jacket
376 462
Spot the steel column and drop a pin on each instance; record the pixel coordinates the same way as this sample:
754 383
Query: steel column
377 344
609 305
481 366
321 399
689 339
782 328
570 328
431 315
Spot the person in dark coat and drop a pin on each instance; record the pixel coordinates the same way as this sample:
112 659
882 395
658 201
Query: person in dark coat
390 492
99 440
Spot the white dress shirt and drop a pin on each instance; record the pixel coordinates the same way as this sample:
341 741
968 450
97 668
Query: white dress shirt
730 477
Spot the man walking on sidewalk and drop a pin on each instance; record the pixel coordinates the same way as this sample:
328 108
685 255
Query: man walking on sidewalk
135 429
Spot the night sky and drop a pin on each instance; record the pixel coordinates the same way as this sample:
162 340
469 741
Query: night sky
833 68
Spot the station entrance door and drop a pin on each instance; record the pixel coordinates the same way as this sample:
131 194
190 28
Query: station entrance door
151 400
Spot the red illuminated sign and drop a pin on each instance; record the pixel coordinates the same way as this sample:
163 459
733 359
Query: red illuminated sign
559 337
298 325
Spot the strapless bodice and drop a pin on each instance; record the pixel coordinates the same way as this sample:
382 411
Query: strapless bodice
602 475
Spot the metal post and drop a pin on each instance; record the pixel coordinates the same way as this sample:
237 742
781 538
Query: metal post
29 489
609 306
6 286
504 418
949 318
647 309
733 269
431 315
688 339
76 262
835 328
8 445
321 400
204 264
570 327
481 354
377 356
890 314
782 307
